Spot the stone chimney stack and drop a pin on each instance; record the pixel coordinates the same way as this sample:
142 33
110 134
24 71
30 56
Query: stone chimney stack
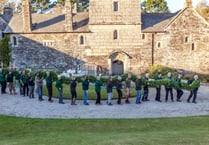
188 3
26 14
68 16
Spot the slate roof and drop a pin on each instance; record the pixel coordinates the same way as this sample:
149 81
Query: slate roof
156 22
52 22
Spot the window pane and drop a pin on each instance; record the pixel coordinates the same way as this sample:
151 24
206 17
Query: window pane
115 5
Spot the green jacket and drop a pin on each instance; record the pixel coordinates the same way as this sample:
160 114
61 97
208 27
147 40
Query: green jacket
98 85
49 81
1 77
59 84
171 82
24 79
9 77
85 85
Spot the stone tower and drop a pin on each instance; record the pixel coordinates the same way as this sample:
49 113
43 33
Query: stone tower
115 27
188 3
26 14
68 16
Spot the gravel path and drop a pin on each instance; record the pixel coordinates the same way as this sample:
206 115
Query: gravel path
16 105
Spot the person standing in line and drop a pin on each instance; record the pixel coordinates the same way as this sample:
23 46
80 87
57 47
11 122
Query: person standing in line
73 85
18 77
24 83
10 80
85 87
146 88
39 84
49 86
119 88
193 92
109 90
2 81
31 86
60 89
98 85
128 88
158 88
169 88
179 90
138 84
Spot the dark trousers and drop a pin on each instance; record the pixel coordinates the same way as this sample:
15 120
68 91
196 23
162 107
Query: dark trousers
179 94
25 89
49 89
3 87
120 94
98 98
194 94
73 94
168 90
157 98
145 96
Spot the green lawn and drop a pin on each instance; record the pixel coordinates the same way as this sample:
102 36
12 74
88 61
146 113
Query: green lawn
166 131
92 94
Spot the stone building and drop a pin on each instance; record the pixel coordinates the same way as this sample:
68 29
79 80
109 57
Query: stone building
112 37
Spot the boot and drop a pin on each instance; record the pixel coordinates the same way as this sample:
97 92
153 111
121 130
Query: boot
74 100
71 101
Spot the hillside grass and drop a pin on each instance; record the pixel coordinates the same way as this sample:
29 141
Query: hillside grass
165 131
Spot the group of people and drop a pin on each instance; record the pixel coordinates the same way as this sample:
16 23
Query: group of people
27 87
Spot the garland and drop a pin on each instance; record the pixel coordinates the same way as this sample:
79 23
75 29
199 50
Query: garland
174 84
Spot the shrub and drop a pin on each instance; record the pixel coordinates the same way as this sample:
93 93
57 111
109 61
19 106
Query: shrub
153 70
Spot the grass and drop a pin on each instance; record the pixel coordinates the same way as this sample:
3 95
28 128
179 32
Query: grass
166 131
91 91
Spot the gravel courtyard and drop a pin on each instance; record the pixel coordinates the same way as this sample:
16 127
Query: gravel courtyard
16 105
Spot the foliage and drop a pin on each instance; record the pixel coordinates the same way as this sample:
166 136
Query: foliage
203 9
27 131
5 50
153 70
154 6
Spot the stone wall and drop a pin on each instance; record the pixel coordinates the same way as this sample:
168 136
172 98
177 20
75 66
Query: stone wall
185 44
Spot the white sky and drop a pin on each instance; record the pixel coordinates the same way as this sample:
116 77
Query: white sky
174 5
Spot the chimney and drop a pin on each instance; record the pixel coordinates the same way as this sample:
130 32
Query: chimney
68 16
188 3
8 13
26 14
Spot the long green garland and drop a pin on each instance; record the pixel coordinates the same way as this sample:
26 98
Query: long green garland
174 84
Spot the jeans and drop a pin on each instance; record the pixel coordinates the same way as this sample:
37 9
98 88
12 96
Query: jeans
138 96
40 92
25 89
85 97
157 98
145 96
109 95
60 96
31 91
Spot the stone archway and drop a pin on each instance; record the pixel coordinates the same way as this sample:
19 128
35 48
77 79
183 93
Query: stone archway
119 62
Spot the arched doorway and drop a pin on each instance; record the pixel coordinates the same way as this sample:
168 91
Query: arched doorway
119 62
117 67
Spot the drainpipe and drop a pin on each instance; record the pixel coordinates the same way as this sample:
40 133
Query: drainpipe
153 47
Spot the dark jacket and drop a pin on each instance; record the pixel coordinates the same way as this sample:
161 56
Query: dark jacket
118 85
138 84
146 87
10 77
85 84
73 85
128 83
98 85
49 81
109 86
31 81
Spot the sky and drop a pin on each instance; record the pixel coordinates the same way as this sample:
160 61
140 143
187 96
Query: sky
174 5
